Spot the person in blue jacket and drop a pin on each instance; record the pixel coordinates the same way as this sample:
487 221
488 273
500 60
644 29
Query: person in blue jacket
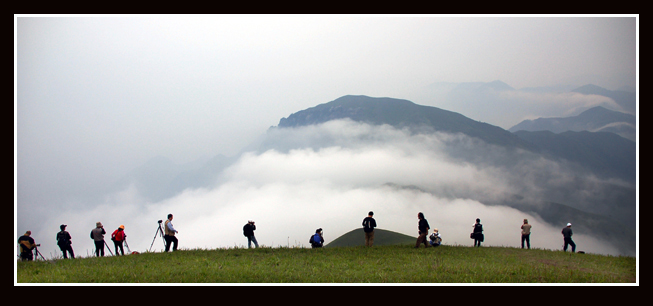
317 240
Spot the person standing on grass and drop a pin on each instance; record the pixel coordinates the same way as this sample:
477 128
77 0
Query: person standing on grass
65 243
566 234
97 234
526 234
169 236
368 227
248 231
422 230
478 233
27 244
118 236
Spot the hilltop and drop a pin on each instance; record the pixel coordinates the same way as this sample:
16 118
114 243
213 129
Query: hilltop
379 264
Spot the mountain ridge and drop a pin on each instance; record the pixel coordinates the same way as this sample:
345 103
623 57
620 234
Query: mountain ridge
595 119
401 113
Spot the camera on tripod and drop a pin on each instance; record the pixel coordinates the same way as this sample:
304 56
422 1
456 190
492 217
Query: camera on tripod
159 232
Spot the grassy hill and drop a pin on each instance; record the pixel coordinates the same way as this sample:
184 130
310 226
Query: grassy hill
378 264
381 237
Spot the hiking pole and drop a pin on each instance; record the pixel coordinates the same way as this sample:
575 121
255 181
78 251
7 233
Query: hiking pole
108 248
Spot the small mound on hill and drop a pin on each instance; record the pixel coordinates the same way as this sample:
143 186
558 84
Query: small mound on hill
356 237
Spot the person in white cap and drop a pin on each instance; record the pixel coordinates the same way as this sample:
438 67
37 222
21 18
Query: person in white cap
566 233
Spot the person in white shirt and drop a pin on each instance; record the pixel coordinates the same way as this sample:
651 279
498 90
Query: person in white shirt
170 232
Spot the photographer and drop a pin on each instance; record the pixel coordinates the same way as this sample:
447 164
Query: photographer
118 237
26 246
169 236
64 241
248 231
97 234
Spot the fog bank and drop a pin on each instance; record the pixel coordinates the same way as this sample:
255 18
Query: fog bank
329 176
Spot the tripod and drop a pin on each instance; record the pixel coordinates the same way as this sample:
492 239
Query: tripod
38 253
127 245
108 248
159 231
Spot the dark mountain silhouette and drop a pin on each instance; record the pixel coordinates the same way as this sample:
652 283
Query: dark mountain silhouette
402 114
596 119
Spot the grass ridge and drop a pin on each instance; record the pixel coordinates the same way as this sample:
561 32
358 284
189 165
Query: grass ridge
378 264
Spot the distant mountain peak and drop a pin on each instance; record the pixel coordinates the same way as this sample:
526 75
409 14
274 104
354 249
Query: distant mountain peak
401 114
590 89
595 119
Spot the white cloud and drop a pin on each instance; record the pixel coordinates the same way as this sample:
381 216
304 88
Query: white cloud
290 193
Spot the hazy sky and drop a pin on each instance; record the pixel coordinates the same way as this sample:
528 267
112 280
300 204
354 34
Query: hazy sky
96 96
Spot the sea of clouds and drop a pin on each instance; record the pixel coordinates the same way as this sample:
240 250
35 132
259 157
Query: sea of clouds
330 176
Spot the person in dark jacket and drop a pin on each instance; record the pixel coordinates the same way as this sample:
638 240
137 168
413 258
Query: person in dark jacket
566 234
97 234
65 243
478 233
368 227
27 246
248 231
317 240
422 230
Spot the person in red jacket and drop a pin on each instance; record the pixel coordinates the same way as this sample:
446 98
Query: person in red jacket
118 238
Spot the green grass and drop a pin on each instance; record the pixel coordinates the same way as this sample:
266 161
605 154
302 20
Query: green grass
379 264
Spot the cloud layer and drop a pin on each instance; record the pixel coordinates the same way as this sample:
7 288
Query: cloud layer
341 171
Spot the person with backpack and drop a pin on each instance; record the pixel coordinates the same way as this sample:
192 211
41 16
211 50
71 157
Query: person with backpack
317 240
526 234
478 233
97 234
65 243
118 237
422 230
27 246
248 231
435 238
368 227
